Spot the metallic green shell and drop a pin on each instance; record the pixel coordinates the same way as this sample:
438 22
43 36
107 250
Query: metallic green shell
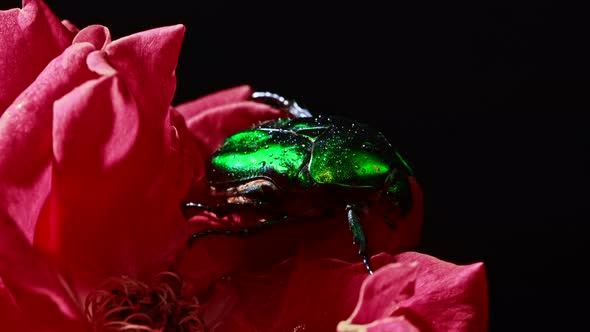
260 152
301 151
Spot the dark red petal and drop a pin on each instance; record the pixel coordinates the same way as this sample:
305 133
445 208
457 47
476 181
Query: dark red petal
118 171
30 38
305 293
25 137
11 319
44 299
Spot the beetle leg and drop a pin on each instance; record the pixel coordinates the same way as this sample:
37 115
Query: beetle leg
220 211
185 207
235 232
358 235
277 101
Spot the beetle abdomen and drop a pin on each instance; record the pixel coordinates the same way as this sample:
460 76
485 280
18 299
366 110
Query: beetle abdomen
351 154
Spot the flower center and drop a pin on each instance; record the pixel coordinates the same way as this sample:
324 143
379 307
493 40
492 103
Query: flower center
125 304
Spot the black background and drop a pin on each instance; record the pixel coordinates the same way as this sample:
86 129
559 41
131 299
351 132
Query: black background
486 100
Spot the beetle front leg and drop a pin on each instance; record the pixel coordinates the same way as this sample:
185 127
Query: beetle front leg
239 232
281 103
358 234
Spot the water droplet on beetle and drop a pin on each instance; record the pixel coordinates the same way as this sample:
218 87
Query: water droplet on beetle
266 146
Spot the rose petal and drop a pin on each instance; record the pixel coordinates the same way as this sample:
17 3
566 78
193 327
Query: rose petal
301 293
381 293
147 62
25 136
447 297
12 319
214 117
45 300
435 296
97 35
30 39
408 292
70 26
219 98
118 172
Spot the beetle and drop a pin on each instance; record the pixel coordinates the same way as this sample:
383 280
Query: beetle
306 166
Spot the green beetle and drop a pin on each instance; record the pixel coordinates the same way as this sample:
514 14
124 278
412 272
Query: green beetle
306 167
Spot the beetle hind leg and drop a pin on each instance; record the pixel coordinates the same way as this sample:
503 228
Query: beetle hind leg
358 235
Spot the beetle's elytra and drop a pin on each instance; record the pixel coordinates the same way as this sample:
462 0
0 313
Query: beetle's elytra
306 167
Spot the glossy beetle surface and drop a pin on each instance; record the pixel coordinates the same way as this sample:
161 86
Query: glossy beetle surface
307 167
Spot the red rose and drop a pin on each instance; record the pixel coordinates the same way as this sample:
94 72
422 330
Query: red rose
94 163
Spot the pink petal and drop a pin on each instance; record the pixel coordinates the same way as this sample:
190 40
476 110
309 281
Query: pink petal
215 99
213 118
70 26
25 136
30 38
45 301
381 293
97 35
146 62
119 167
434 295
448 297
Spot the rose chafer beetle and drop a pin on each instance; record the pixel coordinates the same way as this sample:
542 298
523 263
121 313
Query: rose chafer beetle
306 166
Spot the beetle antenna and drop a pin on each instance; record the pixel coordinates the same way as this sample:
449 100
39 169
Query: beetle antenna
278 101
